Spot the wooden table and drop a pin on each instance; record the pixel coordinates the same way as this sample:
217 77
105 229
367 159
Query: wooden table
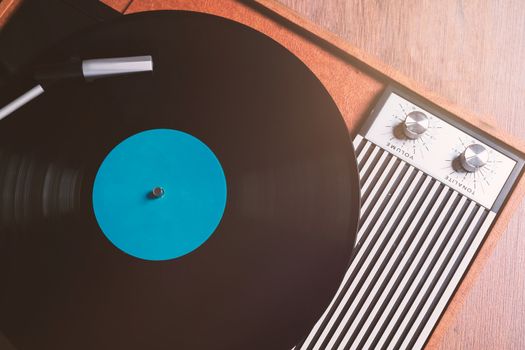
473 54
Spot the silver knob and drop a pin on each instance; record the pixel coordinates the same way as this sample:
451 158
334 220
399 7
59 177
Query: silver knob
415 125
474 157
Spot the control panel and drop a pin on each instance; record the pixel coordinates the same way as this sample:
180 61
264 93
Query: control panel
459 159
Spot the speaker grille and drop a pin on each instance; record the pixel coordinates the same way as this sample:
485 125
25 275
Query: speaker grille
416 239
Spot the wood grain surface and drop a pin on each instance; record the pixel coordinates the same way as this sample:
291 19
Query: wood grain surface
473 54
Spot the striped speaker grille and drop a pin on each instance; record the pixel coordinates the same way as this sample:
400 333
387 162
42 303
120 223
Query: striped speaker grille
417 237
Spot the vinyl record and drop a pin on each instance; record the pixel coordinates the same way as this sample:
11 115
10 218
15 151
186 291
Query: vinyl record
211 204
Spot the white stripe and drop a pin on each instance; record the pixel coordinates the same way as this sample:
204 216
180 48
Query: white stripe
357 141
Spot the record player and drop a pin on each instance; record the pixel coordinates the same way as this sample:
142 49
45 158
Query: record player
437 186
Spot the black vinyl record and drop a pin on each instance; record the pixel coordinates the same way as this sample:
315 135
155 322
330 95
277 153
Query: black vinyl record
276 258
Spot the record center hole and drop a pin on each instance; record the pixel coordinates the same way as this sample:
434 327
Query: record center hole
156 193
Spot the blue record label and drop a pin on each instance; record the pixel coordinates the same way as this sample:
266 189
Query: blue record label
159 194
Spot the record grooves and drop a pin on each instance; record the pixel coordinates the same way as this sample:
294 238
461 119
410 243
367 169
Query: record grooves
273 263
